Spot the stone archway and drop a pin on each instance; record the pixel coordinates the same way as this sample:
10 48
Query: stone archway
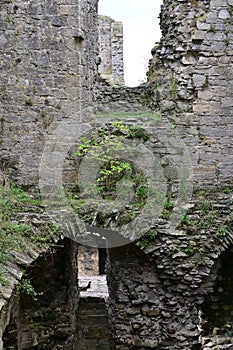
218 306
43 306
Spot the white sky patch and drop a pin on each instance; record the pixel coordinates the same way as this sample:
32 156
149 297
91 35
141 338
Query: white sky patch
141 31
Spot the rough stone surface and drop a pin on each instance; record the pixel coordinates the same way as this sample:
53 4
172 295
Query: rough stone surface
48 67
47 318
92 330
111 65
88 261
93 286
49 63
197 78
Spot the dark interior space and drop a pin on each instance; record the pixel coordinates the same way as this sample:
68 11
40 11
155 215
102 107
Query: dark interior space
218 307
102 261
44 303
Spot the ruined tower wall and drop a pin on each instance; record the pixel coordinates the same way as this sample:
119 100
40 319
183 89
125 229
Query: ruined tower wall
190 89
48 66
111 50
192 85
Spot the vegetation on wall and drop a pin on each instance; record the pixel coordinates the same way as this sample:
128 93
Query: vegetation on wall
105 145
211 215
206 216
21 225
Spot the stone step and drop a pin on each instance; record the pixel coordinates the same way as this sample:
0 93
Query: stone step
94 320
92 345
87 306
91 306
96 333
92 300
83 313
94 308
102 347
93 325
93 312
86 345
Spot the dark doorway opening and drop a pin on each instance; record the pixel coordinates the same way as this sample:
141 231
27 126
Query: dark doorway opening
218 306
102 261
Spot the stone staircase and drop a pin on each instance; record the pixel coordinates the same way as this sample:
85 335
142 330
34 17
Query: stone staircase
93 333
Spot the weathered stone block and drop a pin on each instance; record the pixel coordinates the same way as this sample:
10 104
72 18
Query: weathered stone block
152 344
205 95
202 25
188 60
198 35
227 102
199 80
201 107
223 14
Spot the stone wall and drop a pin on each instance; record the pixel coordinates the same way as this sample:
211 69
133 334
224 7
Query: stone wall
190 83
190 90
158 298
111 65
42 312
48 65
158 292
88 261
118 99
92 327
218 307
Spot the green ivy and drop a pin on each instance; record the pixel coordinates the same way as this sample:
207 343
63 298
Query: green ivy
25 287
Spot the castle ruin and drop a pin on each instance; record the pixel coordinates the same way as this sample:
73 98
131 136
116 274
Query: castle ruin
170 288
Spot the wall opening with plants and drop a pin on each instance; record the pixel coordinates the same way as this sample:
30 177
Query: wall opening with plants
42 312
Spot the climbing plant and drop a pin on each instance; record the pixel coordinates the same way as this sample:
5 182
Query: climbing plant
109 147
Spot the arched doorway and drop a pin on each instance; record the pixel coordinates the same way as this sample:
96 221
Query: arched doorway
218 306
